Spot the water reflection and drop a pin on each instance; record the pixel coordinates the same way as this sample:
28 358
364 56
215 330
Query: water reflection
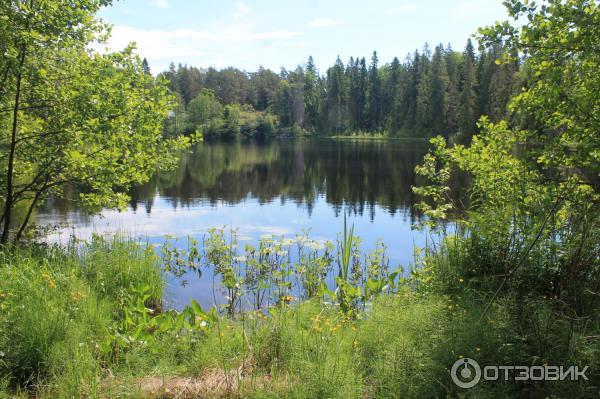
357 175
281 188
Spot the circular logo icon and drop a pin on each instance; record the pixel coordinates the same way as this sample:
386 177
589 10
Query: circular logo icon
466 373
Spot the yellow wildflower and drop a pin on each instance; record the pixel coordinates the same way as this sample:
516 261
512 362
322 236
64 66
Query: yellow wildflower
78 295
261 315
316 324
49 280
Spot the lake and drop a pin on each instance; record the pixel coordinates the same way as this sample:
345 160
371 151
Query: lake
282 188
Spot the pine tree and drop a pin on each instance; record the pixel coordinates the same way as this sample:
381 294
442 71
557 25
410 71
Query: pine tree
186 85
410 95
439 89
444 92
336 97
361 93
374 95
312 95
352 78
296 78
264 84
486 68
171 75
400 106
146 67
452 60
423 105
468 95
501 85
391 90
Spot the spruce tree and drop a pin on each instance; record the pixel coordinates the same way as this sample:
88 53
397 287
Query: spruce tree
502 83
146 66
485 70
374 95
452 60
468 95
352 78
312 95
423 105
391 90
411 95
336 97
361 92
439 88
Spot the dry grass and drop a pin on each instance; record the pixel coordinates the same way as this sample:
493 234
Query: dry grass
211 383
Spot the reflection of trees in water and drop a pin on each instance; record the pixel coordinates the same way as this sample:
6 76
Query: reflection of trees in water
354 175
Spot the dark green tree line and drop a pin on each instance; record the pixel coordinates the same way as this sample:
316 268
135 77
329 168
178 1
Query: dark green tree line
432 92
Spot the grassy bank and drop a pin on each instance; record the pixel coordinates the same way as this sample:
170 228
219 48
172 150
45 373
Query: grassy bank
87 322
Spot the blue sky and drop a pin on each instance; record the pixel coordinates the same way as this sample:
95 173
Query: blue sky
282 33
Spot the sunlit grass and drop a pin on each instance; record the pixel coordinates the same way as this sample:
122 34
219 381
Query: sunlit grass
87 321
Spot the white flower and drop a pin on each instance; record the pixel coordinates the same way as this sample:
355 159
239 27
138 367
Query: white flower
314 245
239 258
287 242
302 239
203 324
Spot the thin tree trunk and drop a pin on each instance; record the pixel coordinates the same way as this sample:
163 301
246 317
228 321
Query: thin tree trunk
9 200
36 198
4 78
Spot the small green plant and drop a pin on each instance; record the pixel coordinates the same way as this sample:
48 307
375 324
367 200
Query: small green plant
146 327
313 266
280 271
347 294
223 257
178 261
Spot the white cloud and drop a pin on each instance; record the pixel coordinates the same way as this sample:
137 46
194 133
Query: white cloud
160 3
217 45
324 23
404 9
241 10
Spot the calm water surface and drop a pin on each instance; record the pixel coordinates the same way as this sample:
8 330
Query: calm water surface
280 188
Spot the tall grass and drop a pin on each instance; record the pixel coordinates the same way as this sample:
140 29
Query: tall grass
57 305
86 321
